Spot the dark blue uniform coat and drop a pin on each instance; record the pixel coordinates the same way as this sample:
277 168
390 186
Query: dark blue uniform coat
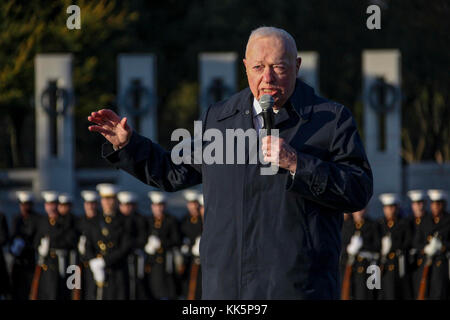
269 236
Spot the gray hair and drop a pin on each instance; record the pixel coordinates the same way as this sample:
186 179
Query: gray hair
263 32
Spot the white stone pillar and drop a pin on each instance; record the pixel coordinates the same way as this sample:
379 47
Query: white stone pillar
217 75
137 100
309 69
54 134
385 158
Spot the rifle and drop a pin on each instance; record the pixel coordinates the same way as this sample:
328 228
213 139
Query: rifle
346 282
423 280
193 279
34 290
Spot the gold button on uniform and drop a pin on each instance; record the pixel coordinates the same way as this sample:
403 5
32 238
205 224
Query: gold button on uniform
108 219
436 220
160 250
390 224
44 267
359 258
438 263
391 267
159 260
105 232
194 220
52 221
110 244
391 255
419 262
418 220
360 269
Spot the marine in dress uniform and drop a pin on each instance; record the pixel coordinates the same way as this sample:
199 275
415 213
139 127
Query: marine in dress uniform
90 205
394 244
5 286
22 247
163 235
361 252
434 238
191 230
138 231
53 240
415 257
108 243
68 218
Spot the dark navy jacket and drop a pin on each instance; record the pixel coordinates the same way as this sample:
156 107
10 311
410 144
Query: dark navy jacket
269 236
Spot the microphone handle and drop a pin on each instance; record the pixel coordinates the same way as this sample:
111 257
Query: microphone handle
267 116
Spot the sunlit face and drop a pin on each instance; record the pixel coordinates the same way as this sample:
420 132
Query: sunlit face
127 208
90 209
418 208
271 69
64 208
109 205
390 211
51 208
158 209
193 208
437 207
359 215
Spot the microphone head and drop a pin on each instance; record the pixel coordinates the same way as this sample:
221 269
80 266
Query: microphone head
266 102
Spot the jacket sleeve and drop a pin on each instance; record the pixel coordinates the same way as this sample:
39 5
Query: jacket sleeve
151 164
345 181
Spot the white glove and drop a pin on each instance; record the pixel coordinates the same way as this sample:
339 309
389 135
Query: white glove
196 247
97 266
82 245
434 246
44 246
386 244
153 243
354 245
17 246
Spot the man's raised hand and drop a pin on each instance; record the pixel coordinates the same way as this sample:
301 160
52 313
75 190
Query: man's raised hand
109 124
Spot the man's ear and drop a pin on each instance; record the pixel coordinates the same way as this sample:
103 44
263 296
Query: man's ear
298 63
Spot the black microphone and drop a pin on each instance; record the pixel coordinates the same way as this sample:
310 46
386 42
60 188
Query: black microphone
266 102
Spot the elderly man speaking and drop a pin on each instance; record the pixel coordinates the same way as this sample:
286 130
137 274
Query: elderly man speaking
265 236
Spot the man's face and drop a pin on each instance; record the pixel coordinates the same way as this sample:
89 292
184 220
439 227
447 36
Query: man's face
418 208
437 207
109 205
271 69
359 215
127 208
52 209
193 208
158 209
64 208
25 207
390 211
90 209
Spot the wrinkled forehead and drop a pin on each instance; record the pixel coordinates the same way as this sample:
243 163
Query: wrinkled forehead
272 46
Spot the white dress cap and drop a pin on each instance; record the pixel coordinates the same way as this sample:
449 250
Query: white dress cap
417 195
437 195
65 198
157 197
107 189
190 195
127 197
388 199
50 196
24 196
200 199
89 195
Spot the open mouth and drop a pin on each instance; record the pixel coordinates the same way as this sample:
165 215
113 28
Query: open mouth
272 92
